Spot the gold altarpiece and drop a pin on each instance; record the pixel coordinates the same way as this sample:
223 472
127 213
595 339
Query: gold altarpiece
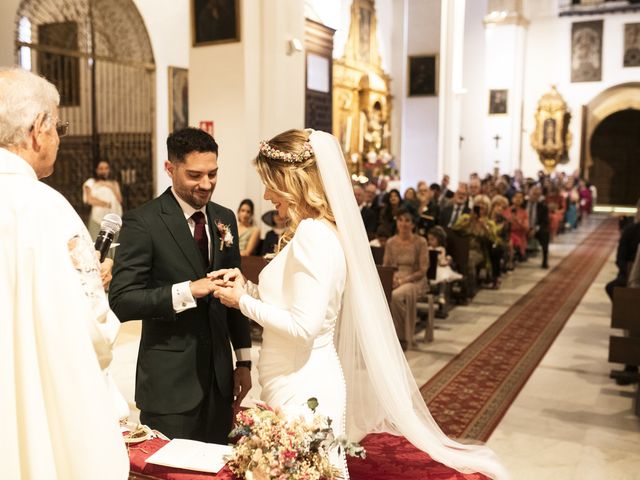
361 92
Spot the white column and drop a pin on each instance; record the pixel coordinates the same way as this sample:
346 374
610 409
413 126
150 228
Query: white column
451 90
505 37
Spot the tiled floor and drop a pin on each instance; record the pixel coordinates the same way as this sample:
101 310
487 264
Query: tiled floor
569 422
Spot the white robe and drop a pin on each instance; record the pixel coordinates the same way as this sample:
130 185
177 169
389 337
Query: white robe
56 335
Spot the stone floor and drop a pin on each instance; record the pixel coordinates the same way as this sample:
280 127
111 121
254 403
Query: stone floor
569 422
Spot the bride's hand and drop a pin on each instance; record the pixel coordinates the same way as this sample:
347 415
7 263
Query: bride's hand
228 277
230 295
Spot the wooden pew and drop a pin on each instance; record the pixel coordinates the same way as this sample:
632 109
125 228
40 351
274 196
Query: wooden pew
625 315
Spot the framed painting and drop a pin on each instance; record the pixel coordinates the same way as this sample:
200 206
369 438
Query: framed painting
178 98
498 102
215 21
631 45
423 75
586 51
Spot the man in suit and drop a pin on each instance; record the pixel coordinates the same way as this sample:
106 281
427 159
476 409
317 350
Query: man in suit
369 215
370 210
539 222
185 381
446 195
449 214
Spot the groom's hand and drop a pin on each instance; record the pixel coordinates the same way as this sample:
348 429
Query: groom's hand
241 385
227 276
201 288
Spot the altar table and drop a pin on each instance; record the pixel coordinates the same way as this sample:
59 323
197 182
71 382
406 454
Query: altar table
388 458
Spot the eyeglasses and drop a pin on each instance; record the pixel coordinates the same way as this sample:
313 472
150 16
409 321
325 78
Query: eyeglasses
62 128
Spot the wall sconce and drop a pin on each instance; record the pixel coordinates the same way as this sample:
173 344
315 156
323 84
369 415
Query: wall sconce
294 45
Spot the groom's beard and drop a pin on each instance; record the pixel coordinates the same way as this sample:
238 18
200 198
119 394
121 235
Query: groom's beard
196 198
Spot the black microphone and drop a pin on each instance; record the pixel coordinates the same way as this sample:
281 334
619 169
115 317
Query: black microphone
109 227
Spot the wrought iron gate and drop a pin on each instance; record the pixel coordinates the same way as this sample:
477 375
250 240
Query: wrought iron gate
98 54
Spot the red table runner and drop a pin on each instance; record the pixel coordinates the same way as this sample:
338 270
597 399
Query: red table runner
388 458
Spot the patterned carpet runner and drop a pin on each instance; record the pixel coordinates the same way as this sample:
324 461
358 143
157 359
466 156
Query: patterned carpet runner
472 393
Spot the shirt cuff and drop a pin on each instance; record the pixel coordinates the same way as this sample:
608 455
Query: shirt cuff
243 354
181 297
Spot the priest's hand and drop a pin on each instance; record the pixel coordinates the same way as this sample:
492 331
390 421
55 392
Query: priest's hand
241 385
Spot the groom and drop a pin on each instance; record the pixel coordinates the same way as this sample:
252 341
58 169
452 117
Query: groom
185 381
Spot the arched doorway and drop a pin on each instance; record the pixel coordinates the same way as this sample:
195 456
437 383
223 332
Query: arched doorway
604 107
615 151
99 56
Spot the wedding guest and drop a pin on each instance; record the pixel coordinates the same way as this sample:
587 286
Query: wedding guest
427 210
437 239
625 255
586 200
248 233
103 194
555 202
273 236
503 229
450 214
391 203
368 214
56 328
446 194
408 253
519 219
411 197
538 214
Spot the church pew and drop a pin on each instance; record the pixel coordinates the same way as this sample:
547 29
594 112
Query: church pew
624 315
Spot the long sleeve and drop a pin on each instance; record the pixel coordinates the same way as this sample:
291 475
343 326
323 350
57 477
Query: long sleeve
422 262
310 269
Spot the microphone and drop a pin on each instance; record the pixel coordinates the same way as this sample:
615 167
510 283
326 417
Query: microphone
109 227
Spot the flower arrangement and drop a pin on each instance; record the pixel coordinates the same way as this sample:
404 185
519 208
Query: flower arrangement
226 236
274 446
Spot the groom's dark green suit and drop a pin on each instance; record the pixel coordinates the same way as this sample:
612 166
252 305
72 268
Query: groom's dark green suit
184 374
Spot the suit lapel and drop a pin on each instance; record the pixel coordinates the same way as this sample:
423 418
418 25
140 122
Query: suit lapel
173 217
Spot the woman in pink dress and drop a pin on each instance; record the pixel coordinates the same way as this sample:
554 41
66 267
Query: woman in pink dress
519 219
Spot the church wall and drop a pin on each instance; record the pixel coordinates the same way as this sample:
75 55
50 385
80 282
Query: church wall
419 137
474 102
167 23
548 61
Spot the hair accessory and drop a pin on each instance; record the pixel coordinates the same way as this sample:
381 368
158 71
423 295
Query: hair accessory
270 152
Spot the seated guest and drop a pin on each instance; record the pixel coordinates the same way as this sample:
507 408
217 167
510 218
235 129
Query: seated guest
519 219
408 253
538 214
273 236
248 233
482 232
411 197
437 240
367 212
450 214
625 256
391 203
555 201
503 228
427 210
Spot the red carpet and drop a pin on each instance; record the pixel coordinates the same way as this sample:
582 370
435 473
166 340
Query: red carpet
471 394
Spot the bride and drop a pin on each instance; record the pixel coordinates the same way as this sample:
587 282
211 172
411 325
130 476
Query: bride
328 332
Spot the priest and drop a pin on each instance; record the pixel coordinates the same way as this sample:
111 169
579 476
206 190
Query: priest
56 329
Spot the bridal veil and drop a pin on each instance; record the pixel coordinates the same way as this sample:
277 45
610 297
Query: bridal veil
382 395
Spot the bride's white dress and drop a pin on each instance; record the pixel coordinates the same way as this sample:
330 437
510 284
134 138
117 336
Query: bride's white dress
298 300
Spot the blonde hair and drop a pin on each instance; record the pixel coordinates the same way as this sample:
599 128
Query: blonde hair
299 183
498 200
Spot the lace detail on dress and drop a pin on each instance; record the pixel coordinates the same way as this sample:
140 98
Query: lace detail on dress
83 259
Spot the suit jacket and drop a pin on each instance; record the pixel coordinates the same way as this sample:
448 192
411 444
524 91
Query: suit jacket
370 217
180 353
446 212
542 217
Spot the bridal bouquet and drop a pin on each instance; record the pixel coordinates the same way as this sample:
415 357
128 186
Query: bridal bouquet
274 446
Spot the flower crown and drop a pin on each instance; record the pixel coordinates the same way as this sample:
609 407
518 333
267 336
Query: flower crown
270 152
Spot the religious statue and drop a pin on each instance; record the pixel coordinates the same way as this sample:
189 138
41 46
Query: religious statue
551 137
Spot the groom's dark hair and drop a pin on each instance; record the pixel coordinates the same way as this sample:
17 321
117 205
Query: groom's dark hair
186 140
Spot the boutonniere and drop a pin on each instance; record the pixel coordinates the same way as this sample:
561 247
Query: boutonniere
226 237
